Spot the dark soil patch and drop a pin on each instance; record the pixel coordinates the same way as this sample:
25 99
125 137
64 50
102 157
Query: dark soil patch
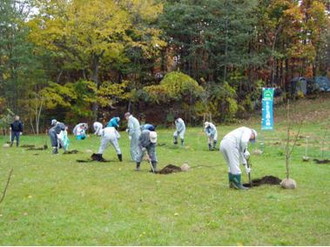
169 169
27 146
71 152
32 147
264 180
94 157
326 161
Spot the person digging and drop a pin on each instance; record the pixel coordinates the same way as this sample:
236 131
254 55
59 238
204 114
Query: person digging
212 135
147 143
234 149
109 135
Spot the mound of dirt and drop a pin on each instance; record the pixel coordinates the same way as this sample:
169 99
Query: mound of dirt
264 180
326 161
94 157
169 169
97 157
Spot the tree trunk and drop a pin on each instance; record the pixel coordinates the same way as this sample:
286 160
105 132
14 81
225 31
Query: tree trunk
96 80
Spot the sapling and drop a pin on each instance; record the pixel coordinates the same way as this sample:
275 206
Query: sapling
289 183
306 158
323 140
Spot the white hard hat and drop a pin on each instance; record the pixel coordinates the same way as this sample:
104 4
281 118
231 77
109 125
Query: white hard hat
255 135
206 124
153 136
53 122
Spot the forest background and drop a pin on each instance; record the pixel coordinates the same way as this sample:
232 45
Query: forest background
83 60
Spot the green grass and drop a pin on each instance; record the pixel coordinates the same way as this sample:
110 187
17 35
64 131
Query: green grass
53 200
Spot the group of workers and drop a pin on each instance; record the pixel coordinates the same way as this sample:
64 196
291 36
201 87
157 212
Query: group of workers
143 140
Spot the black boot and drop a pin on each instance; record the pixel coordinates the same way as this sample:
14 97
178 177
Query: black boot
175 141
55 150
182 142
214 145
120 157
137 166
210 147
100 158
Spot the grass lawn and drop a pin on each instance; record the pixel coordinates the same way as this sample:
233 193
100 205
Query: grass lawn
54 200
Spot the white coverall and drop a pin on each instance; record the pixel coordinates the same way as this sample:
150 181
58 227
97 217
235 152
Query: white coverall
97 128
109 135
79 129
211 132
233 146
180 128
134 131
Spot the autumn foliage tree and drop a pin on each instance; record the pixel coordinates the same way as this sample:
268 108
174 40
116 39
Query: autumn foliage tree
92 36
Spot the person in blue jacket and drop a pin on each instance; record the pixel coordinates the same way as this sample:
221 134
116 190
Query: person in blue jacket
148 126
16 128
114 122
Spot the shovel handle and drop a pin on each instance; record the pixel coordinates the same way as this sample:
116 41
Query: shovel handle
249 174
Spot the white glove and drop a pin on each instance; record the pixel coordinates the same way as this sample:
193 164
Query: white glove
246 154
129 137
247 169
143 149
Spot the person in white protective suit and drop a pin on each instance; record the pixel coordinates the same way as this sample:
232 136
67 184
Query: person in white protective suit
109 135
97 126
79 131
180 129
134 132
234 149
212 135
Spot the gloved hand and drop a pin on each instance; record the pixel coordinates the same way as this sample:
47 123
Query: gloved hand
247 169
246 154
143 149
129 137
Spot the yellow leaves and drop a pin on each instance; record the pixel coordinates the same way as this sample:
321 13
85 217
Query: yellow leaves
300 50
294 13
57 95
146 10
175 85
82 28
109 93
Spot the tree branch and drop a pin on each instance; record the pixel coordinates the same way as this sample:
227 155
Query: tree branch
6 187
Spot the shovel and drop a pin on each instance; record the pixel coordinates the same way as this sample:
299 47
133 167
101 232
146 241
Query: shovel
149 161
249 174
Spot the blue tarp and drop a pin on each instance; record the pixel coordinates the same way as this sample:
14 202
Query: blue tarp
323 83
